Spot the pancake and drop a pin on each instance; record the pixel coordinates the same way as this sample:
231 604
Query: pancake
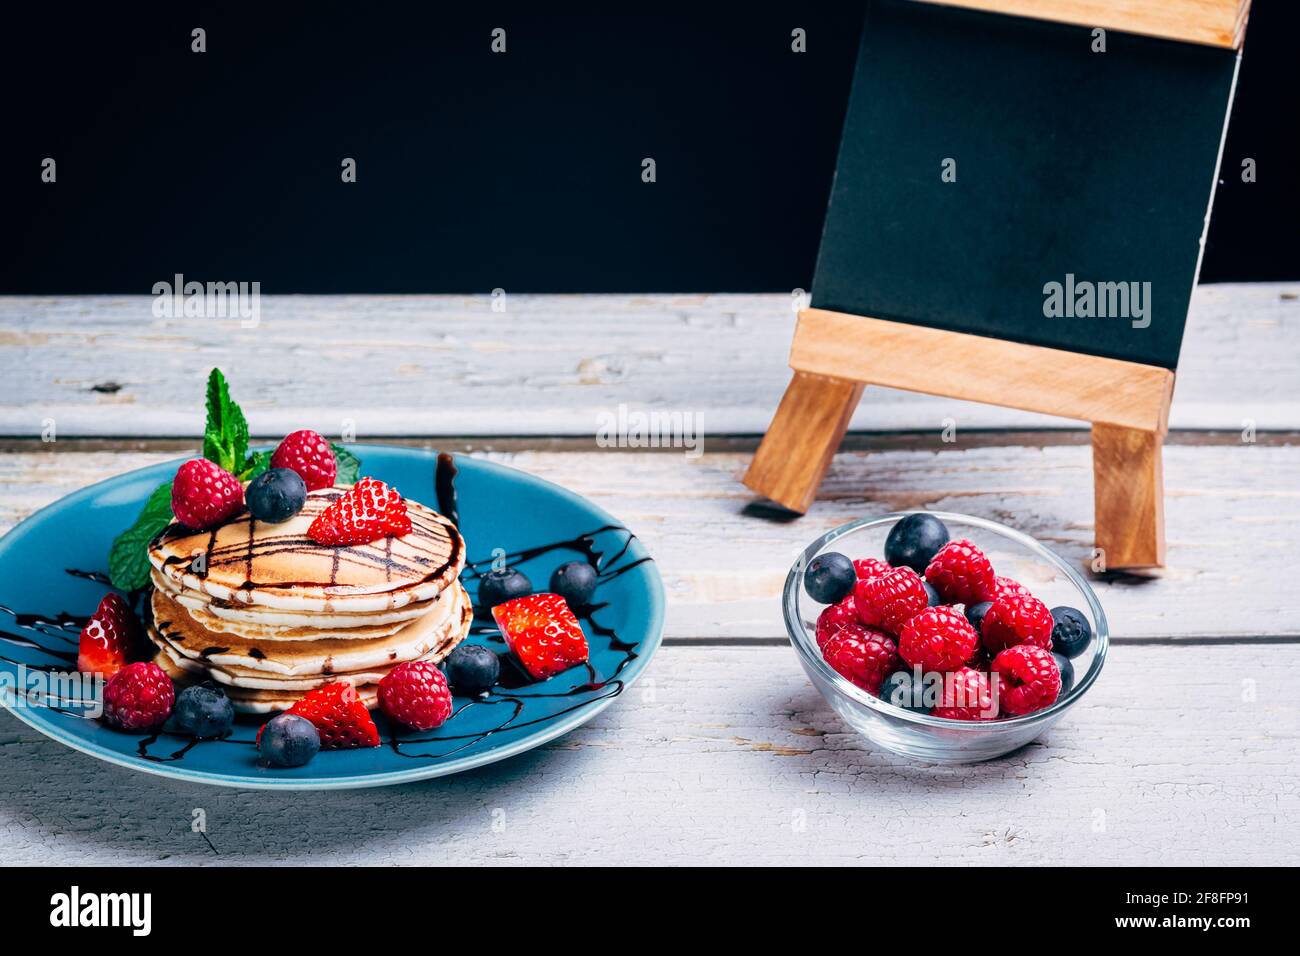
242 655
256 700
286 624
200 670
251 562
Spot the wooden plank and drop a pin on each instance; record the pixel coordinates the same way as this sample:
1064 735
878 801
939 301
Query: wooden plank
448 365
1232 516
728 755
997 372
802 439
1128 496
1212 22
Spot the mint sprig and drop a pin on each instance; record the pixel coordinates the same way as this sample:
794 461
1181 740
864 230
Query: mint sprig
225 436
349 465
225 442
128 559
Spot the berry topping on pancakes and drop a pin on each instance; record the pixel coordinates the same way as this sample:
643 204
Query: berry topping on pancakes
309 454
368 511
205 495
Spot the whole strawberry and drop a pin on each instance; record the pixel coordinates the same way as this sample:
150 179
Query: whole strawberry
966 695
310 455
937 639
961 573
864 657
415 694
138 697
1016 618
1028 679
368 511
543 634
204 494
339 717
835 617
890 599
111 639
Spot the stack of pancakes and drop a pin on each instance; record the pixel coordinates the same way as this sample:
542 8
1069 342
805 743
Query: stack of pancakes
269 614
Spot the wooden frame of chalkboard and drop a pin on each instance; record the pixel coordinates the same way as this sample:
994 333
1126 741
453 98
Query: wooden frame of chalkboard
896 309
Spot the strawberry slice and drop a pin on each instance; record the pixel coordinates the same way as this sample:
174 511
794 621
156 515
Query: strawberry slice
543 634
111 639
339 716
368 511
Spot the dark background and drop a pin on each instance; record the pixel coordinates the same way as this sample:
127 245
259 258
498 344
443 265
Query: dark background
478 170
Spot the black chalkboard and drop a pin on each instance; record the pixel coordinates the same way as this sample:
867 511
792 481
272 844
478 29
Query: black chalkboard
1068 163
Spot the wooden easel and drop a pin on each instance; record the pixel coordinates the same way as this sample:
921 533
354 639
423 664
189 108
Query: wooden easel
836 355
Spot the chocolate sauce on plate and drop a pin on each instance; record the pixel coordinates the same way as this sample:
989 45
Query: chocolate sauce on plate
514 695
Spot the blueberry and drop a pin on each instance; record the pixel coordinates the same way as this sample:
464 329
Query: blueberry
914 541
829 578
288 741
500 585
1071 633
276 495
931 595
1067 672
575 582
975 614
901 690
472 669
204 711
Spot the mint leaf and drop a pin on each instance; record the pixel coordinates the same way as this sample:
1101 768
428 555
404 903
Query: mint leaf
128 559
225 435
257 463
349 465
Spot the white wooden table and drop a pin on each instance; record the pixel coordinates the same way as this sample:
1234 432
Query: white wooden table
1186 751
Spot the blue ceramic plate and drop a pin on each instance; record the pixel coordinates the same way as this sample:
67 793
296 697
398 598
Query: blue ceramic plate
51 579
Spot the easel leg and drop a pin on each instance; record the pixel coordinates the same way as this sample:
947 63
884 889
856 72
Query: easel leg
810 422
1128 489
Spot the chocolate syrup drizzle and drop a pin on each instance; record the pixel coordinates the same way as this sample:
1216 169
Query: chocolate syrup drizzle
56 637
435 551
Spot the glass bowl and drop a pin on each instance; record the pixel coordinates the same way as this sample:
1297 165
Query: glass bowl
921 736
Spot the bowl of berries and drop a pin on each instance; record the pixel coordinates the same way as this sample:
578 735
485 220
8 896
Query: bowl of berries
943 637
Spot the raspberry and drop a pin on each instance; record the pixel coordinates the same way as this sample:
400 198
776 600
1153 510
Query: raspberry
543 633
891 599
110 640
1028 679
204 494
310 455
835 617
139 697
366 512
864 657
415 694
961 573
868 568
339 717
1017 619
1003 585
937 639
967 695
